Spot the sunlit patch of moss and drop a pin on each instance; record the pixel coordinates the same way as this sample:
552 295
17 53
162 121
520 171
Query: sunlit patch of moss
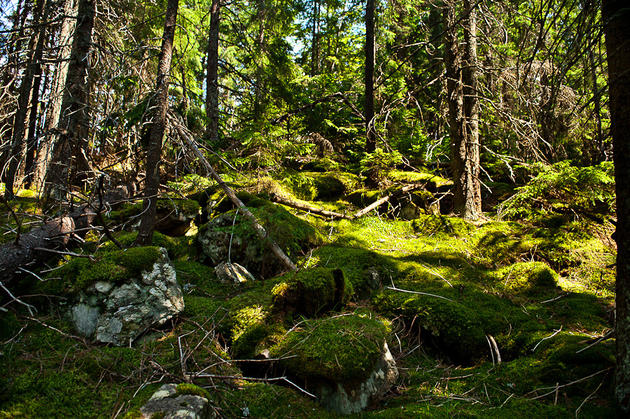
337 348
433 181
315 186
527 277
192 389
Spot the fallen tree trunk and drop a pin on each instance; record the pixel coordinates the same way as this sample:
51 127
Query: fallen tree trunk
31 247
306 207
260 230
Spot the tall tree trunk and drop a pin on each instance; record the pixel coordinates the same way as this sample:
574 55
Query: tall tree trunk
615 14
463 112
315 38
34 117
69 154
212 72
44 151
155 131
370 143
18 139
471 189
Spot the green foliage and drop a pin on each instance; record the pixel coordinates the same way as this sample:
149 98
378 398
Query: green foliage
564 189
376 165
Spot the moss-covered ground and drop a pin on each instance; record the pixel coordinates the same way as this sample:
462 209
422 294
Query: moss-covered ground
449 297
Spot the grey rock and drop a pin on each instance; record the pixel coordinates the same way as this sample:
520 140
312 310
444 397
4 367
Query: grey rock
347 398
85 318
103 287
124 312
232 272
166 403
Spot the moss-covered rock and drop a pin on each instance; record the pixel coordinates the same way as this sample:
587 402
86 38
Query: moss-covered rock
316 186
339 348
312 291
113 267
294 235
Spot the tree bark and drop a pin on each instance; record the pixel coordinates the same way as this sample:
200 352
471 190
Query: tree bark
463 114
615 14
44 151
471 189
212 77
70 151
155 132
18 139
370 143
315 39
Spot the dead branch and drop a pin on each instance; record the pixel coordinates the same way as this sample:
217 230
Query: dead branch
260 230
386 199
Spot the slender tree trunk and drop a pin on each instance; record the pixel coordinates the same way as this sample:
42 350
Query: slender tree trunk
155 131
70 151
463 114
315 39
370 143
615 14
18 139
471 209
212 72
34 117
44 151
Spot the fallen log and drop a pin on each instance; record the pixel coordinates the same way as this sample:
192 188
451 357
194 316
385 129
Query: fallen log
305 207
52 235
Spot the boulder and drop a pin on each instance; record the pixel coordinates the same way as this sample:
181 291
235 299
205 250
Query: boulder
119 312
347 398
173 401
232 231
232 272
343 359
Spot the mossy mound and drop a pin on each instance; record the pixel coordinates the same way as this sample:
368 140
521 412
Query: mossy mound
114 267
433 182
339 348
312 292
294 235
178 248
455 329
527 278
316 186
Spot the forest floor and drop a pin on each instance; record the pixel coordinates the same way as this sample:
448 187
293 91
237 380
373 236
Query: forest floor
442 290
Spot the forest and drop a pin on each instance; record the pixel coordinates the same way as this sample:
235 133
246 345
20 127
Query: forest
314 208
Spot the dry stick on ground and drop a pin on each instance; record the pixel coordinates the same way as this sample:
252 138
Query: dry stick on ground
385 199
260 230
306 207
255 379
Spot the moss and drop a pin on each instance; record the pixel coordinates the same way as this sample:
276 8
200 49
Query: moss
178 248
434 224
312 291
337 348
187 207
315 186
527 277
364 197
433 181
116 266
188 388
453 327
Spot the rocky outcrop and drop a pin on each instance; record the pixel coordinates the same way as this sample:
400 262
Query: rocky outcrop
118 313
347 398
170 402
